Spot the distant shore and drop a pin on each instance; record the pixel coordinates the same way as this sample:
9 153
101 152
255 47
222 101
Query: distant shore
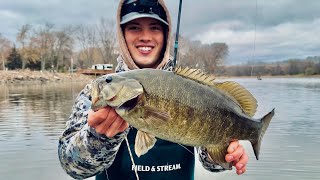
269 76
28 76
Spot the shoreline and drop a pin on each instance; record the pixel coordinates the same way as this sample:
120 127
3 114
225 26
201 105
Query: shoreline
28 76
269 76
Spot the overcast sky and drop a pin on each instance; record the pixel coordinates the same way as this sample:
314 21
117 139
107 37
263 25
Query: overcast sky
280 29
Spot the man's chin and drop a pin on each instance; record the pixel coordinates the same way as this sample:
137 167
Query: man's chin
146 64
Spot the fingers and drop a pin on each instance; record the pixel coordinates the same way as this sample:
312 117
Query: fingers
238 156
232 146
113 129
96 118
233 151
106 121
241 164
103 127
237 153
123 126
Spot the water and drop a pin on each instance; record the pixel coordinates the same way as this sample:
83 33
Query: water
31 119
33 116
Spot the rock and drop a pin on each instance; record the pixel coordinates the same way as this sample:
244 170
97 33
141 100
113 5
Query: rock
18 77
28 76
56 78
43 79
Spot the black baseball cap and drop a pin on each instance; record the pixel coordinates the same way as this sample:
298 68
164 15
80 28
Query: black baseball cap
134 9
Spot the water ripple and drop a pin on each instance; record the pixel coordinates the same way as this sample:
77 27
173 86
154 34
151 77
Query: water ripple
33 117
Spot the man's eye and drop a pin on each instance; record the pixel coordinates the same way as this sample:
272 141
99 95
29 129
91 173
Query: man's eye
133 28
156 28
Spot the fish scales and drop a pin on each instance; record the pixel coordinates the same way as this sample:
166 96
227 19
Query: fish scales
182 110
179 96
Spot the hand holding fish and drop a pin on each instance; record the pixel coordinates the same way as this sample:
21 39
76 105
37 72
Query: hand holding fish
106 121
238 157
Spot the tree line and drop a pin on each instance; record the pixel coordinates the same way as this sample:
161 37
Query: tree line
47 47
307 66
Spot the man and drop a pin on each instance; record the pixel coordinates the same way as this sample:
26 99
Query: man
92 143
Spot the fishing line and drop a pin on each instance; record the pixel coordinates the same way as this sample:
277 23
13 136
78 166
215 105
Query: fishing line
255 29
254 38
131 157
186 149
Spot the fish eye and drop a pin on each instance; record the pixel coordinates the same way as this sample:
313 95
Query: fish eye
108 79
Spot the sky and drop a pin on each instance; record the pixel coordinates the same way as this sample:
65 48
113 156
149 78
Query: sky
254 30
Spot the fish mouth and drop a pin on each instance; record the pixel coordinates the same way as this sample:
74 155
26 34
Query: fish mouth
130 104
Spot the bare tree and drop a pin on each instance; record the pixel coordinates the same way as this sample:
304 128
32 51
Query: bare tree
63 46
86 37
44 40
203 56
193 57
217 52
21 38
5 46
106 41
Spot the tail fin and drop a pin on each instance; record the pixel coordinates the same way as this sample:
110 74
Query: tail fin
265 123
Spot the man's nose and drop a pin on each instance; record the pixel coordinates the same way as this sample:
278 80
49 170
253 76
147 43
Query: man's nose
145 36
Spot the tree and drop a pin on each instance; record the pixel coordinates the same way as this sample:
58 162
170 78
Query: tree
14 60
86 37
293 67
105 41
5 46
217 52
43 42
63 46
21 38
202 56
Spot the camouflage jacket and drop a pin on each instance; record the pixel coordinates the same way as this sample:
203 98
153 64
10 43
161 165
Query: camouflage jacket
84 153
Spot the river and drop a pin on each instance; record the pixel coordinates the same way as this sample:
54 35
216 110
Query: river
33 116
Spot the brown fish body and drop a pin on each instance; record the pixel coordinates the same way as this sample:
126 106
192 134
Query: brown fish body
182 110
200 115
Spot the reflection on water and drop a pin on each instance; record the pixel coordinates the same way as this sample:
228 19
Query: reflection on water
33 117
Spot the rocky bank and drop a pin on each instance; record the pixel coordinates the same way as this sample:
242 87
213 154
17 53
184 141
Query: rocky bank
26 76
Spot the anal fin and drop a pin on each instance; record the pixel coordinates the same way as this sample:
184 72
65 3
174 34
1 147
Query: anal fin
217 154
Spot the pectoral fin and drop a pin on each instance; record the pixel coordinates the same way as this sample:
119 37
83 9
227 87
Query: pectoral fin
143 143
217 154
155 116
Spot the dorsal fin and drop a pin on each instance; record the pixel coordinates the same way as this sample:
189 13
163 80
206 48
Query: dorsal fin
196 75
238 93
242 96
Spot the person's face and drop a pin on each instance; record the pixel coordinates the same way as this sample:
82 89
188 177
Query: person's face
145 40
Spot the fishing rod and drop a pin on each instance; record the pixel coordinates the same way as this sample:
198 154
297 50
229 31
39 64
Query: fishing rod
176 43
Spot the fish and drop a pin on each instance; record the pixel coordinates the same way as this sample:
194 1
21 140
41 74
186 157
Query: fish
184 106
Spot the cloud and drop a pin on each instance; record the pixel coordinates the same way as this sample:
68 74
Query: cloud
282 28
266 31
287 40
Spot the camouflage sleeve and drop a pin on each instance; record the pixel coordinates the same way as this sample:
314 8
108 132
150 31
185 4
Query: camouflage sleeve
206 161
83 152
